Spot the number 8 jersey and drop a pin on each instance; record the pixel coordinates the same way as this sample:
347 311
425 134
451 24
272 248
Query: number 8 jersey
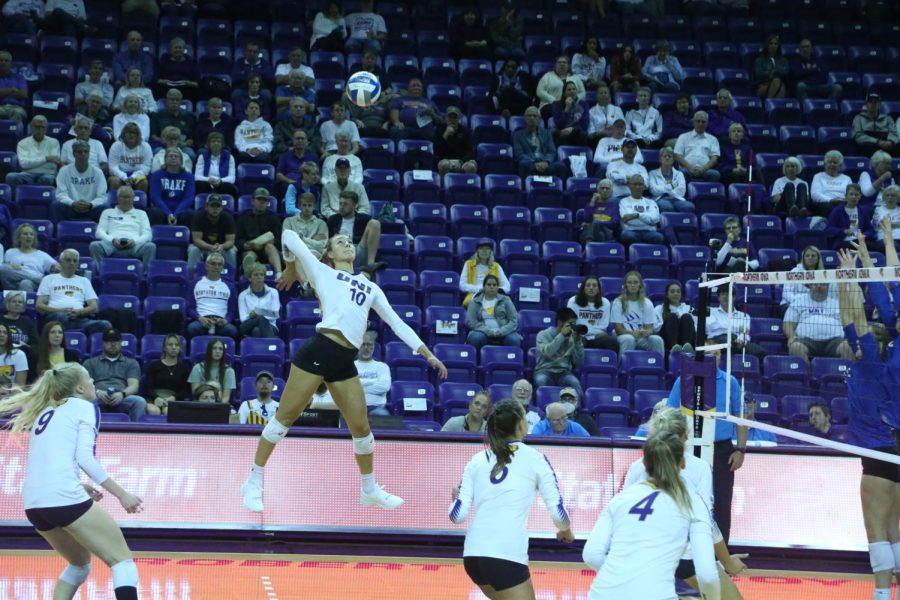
345 298
61 445
502 503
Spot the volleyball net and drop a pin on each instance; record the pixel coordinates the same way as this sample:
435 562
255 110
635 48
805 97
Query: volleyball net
782 336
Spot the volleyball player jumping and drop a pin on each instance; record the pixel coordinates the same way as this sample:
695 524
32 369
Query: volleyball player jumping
60 413
697 476
866 391
641 534
501 482
345 300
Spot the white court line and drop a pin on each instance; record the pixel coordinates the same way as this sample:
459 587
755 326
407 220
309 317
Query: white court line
268 587
840 446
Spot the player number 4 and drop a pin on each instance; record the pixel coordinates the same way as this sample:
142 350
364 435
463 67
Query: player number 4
644 507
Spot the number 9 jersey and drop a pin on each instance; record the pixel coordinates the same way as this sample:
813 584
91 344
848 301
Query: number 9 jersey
61 445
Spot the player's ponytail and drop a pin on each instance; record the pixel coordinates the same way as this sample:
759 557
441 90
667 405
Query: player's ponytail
54 385
663 454
501 428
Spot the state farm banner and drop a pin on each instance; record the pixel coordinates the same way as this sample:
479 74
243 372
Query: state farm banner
192 481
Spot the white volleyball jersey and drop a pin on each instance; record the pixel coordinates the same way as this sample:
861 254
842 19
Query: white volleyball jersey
637 543
500 526
61 445
697 476
345 298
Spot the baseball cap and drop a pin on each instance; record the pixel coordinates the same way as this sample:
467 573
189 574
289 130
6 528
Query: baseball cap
454 109
264 374
485 242
873 97
112 335
568 391
213 199
342 162
261 192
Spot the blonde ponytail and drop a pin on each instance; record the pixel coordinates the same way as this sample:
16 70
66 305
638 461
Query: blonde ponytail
54 385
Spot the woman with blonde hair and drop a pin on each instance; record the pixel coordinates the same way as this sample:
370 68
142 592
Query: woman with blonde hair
25 264
633 317
60 415
471 279
130 158
641 534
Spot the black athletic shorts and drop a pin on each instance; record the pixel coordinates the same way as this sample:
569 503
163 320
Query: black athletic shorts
498 573
322 356
879 468
685 569
45 519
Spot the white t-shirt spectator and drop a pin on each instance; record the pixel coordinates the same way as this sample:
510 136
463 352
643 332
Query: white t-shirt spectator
96 158
10 364
360 24
781 182
681 309
675 186
329 130
717 324
34 264
601 117
66 292
634 316
815 320
618 171
882 212
284 70
212 297
596 319
125 162
646 209
268 305
375 377
826 188
697 148
610 149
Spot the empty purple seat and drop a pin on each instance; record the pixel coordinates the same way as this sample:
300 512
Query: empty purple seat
398 285
439 288
412 399
501 364
605 259
533 285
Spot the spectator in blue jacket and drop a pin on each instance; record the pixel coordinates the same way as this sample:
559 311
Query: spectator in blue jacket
534 150
252 64
570 117
662 70
171 192
847 217
558 423
133 56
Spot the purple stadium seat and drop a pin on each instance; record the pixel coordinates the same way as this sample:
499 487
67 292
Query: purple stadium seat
651 259
734 79
121 276
562 258
553 224
697 80
434 253
511 222
543 194
496 159
547 394
707 197
830 375
605 259
519 255
563 288
301 318
690 261
439 288
427 218
251 176
531 322
836 138
540 283
784 374
382 184
440 322
258 354
377 153
469 220
460 360
766 231
501 364
679 228
454 398
171 241
795 408
600 368
394 250
405 364
865 59
412 400
156 303
34 201
421 190
76 234
642 370
398 285
611 407
411 315
489 129
442 71
644 401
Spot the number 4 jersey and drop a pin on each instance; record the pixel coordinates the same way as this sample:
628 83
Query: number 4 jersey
638 540
61 445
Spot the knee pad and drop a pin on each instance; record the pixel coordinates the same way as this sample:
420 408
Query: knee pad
274 431
364 445
75 575
881 557
895 548
125 574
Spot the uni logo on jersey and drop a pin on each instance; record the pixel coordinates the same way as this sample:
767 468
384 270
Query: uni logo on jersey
341 276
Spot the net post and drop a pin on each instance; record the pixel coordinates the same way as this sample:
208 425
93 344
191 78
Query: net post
699 381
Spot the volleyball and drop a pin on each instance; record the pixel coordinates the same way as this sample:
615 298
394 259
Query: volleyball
363 88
